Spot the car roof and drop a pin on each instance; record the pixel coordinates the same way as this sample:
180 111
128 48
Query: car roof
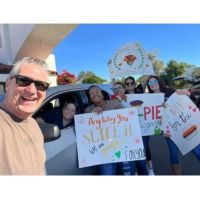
74 87
60 88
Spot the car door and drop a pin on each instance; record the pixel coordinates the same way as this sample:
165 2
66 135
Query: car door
61 154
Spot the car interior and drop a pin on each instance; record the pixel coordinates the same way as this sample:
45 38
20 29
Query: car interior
53 107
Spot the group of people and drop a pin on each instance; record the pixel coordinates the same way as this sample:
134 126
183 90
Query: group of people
154 85
99 105
141 167
22 152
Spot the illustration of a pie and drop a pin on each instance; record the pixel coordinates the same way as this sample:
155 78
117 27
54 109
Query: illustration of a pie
136 103
129 59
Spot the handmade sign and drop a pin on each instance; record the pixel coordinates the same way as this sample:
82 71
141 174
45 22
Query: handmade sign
181 121
113 136
149 111
130 59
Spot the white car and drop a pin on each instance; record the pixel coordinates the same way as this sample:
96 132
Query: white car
62 152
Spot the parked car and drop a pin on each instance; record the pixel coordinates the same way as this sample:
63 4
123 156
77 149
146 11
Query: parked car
60 145
193 85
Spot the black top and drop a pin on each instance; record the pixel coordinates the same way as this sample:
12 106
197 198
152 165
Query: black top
55 117
168 92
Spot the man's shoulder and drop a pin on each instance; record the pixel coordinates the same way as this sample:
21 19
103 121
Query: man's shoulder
2 112
1 106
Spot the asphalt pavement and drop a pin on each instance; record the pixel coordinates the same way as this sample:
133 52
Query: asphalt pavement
161 162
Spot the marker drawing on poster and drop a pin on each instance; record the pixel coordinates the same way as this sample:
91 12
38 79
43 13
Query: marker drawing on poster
149 111
109 137
130 59
181 121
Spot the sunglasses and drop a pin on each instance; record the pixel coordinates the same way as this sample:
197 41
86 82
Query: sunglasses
24 81
153 82
130 83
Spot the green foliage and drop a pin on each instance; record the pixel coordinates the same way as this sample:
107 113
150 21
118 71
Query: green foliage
173 70
89 77
165 79
142 79
84 74
196 73
121 80
158 65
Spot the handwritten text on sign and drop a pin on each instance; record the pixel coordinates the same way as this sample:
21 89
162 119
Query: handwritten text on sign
149 111
113 136
181 121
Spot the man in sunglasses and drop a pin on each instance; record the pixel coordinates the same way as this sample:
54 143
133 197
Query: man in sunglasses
21 141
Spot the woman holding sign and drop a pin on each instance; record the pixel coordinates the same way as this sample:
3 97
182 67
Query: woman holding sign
98 106
127 168
154 85
130 88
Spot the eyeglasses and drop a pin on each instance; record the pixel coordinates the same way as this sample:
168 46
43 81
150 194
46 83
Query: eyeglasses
130 83
153 82
24 81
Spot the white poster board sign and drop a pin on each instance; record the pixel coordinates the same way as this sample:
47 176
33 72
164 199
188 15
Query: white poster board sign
181 119
109 137
130 59
149 111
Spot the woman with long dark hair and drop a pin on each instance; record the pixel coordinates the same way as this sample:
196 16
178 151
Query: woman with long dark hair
155 85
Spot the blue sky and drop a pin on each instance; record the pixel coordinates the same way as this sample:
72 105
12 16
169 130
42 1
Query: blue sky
90 46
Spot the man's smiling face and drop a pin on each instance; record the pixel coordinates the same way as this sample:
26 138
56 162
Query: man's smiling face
96 95
23 101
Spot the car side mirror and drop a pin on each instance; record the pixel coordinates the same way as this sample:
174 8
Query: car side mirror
50 132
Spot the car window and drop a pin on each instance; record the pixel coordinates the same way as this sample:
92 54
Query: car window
52 108
51 111
182 84
185 84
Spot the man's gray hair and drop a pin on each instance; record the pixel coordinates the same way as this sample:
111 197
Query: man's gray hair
27 60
